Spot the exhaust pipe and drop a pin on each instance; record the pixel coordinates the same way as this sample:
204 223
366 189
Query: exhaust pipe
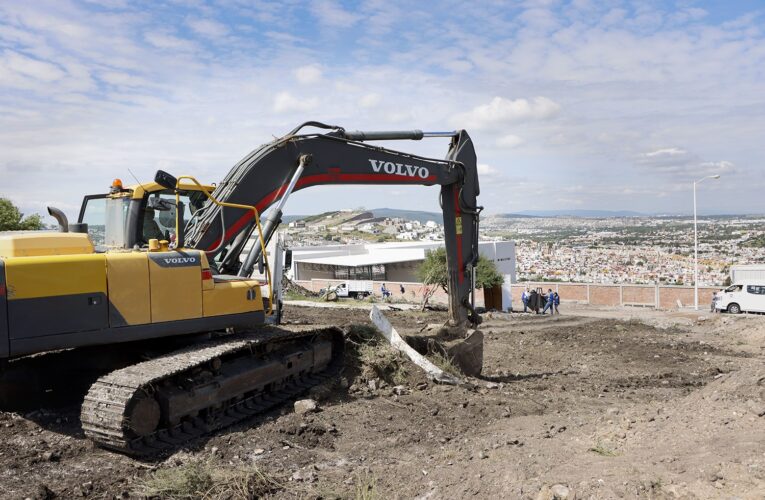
60 217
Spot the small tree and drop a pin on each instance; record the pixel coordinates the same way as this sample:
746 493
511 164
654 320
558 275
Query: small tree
13 220
487 275
432 271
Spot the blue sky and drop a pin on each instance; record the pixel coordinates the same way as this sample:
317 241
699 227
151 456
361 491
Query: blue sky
572 104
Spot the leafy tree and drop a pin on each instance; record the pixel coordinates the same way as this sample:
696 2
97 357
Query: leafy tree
13 220
487 275
432 271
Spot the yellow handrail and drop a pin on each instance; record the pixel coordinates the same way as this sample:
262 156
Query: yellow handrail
257 223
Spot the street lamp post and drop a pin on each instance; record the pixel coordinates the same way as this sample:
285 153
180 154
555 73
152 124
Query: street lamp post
696 244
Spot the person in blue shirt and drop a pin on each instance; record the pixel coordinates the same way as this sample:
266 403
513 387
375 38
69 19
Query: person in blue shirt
550 302
525 299
384 291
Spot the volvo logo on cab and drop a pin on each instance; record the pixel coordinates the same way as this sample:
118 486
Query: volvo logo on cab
180 260
175 259
399 169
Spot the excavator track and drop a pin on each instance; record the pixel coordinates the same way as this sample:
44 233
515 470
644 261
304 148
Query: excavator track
161 403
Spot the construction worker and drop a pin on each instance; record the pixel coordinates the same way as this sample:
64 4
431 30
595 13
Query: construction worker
550 302
556 303
525 299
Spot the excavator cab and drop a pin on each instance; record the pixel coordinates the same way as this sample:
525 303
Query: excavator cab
127 218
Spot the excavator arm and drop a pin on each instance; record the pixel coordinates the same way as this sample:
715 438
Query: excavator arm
269 174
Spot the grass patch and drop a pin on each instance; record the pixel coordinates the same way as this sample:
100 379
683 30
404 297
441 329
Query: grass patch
375 357
207 481
445 363
294 295
603 450
366 487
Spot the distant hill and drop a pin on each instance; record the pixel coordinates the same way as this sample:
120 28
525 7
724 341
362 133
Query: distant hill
411 215
417 215
580 213
516 216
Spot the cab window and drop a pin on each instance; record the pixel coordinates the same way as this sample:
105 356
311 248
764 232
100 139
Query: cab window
158 221
733 288
93 213
106 219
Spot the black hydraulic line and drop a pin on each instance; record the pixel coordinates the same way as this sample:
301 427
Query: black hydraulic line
390 135
314 124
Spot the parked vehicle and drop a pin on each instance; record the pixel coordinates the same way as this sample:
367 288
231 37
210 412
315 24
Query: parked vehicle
354 288
744 296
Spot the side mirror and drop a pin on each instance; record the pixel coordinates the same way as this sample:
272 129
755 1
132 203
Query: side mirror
261 265
288 259
160 204
165 180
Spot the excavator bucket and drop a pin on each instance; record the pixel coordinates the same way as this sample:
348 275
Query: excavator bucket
467 353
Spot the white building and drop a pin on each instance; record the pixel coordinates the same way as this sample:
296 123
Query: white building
395 262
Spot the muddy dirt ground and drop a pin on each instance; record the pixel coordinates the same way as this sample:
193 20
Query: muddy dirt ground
607 405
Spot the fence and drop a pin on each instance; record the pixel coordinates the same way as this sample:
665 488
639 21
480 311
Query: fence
653 296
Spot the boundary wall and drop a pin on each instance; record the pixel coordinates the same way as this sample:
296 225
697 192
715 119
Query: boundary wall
653 296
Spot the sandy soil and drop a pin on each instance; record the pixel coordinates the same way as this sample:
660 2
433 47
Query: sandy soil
610 404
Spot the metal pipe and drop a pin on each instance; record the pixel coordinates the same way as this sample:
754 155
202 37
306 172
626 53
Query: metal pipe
453 133
385 135
274 218
60 217
392 135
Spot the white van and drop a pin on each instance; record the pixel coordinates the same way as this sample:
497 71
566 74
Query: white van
744 296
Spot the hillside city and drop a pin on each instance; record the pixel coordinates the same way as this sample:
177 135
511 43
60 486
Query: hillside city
626 250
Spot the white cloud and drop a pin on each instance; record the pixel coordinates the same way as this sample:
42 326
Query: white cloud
369 100
509 141
504 111
667 153
485 170
39 70
166 41
123 79
681 164
308 74
332 14
286 102
207 27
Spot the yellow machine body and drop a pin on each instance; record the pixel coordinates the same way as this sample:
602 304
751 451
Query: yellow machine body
56 292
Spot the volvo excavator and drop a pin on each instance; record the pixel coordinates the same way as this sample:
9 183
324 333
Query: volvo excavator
170 258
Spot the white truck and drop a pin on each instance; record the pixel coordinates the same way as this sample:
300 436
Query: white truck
744 296
358 289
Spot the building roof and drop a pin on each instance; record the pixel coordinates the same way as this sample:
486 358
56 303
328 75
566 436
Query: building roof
366 259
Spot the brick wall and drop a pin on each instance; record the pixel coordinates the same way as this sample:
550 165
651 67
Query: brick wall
412 291
616 295
594 294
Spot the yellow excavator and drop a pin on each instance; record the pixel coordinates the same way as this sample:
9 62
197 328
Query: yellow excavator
170 258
